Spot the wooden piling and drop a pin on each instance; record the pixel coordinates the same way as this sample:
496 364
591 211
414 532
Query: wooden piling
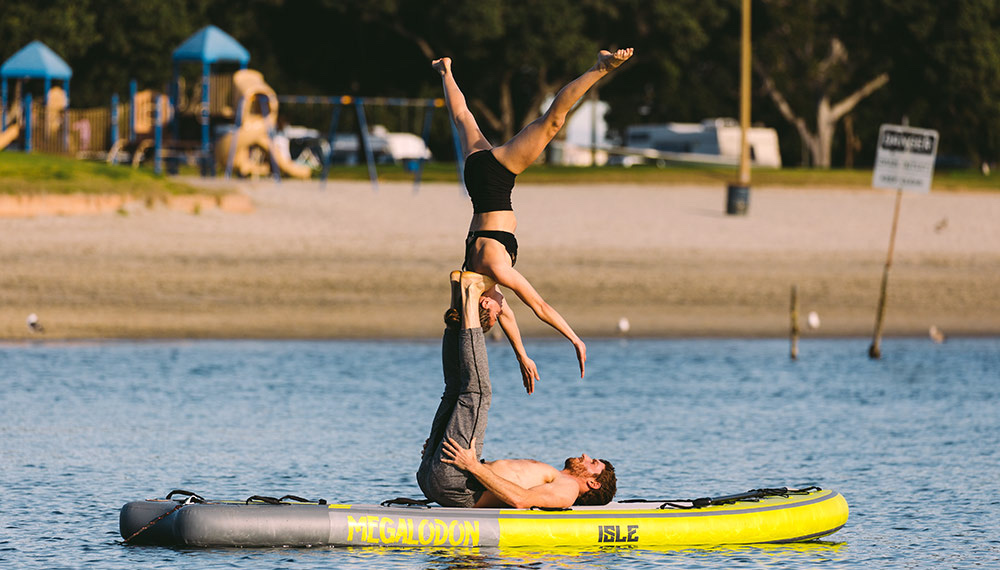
795 323
875 350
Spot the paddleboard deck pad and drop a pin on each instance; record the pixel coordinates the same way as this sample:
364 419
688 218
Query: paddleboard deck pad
757 516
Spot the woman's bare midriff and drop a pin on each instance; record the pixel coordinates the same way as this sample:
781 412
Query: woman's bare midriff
502 221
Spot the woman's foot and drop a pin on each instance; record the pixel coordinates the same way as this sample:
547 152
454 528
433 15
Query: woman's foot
606 60
443 65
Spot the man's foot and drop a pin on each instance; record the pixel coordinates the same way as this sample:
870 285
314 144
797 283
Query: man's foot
475 284
443 65
606 61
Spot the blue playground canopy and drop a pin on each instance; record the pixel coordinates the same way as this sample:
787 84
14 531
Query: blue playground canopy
35 61
207 46
211 45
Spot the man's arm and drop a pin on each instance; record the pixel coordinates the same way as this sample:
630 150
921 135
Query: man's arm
560 493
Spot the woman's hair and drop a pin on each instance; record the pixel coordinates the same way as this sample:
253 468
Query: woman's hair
453 319
603 494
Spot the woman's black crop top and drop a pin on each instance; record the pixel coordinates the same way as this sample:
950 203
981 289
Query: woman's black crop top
489 183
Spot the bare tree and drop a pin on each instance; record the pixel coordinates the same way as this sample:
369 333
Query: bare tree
819 141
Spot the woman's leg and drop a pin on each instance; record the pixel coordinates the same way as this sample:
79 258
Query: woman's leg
518 153
470 136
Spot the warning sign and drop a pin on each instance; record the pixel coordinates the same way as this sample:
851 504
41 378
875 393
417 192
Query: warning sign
905 158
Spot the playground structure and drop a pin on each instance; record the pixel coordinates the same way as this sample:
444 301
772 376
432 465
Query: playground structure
148 112
255 132
41 125
175 126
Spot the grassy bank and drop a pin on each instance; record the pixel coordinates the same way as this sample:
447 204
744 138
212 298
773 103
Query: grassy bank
36 174
26 174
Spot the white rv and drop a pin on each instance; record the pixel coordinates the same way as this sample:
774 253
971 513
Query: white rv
712 140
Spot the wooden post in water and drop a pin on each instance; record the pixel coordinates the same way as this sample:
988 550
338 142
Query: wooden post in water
795 323
875 350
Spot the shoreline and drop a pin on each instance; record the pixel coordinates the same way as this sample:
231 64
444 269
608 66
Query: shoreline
344 262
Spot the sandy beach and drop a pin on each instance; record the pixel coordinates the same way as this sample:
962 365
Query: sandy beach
344 261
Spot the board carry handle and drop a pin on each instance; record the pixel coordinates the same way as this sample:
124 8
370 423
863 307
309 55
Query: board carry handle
191 497
281 501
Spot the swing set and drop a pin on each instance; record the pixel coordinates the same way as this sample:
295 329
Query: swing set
341 106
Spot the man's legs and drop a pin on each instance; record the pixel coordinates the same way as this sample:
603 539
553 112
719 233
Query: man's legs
439 481
469 135
452 373
518 153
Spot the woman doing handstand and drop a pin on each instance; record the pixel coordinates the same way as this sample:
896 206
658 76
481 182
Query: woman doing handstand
491 248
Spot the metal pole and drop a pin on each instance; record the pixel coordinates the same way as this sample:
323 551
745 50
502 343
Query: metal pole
157 136
425 135
738 195
175 95
745 96
366 141
205 86
114 127
132 90
27 123
875 350
331 139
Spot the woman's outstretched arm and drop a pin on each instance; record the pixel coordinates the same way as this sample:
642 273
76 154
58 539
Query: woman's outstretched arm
512 279
529 372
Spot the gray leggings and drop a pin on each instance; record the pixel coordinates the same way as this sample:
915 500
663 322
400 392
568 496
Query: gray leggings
461 416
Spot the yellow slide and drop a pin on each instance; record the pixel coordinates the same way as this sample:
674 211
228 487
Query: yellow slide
9 135
254 130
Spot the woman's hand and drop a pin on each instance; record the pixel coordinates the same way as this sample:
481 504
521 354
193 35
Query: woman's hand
455 454
529 373
581 354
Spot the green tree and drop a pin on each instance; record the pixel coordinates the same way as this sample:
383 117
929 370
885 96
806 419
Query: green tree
946 60
812 66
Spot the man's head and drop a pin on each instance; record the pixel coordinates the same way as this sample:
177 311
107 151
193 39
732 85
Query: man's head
598 474
489 310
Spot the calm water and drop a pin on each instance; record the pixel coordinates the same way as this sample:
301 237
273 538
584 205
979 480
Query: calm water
911 441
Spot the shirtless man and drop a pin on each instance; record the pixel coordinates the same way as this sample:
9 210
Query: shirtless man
526 483
450 474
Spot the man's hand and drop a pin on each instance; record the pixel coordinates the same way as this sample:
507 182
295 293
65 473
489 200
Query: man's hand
455 454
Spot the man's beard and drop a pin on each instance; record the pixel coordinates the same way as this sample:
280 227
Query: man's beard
576 468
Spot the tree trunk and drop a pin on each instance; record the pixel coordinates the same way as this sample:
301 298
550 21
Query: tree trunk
820 142
826 125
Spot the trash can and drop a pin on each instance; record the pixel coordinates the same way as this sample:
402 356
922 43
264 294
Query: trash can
737 199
